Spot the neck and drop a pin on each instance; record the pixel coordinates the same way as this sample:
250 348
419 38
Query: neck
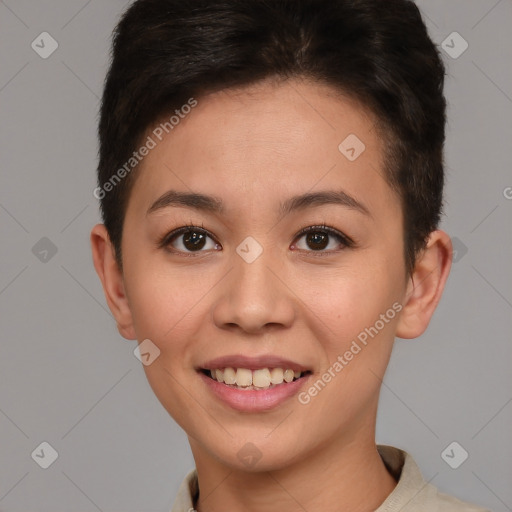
349 472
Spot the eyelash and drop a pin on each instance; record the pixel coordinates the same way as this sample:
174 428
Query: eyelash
346 241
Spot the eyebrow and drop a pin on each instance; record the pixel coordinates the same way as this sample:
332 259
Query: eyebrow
214 204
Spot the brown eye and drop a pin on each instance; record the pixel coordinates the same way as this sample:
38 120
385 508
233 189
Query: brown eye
193 240
317 240
189 239
320 238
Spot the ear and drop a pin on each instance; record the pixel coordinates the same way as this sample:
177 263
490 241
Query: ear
111 277
426 285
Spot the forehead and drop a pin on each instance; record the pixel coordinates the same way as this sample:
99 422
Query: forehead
255 144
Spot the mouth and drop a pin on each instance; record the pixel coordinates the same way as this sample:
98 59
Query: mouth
260 379
253 385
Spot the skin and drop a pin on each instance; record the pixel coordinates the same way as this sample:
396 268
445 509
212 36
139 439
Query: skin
254 148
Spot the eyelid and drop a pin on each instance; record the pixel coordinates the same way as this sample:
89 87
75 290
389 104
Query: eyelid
346 240
165 240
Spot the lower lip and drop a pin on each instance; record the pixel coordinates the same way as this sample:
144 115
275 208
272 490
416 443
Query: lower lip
254 400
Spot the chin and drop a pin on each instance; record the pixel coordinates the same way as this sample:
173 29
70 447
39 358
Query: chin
255 453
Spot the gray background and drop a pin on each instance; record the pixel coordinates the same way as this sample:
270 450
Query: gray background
69 379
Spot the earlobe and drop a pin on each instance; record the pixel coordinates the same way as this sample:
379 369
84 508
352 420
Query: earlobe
112 280
426 285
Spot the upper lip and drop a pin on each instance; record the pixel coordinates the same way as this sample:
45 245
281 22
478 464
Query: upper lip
252 363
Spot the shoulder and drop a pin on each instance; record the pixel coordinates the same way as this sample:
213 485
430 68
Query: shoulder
442 502
412 493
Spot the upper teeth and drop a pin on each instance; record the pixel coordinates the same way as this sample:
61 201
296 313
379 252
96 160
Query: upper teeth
262 378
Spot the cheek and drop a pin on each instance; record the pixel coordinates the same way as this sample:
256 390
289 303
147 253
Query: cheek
347 302
162 301
354 317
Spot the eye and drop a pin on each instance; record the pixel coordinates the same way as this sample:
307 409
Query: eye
194 239
320 238
189 239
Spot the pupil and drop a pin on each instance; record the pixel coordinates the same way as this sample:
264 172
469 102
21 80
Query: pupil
317 240
196 240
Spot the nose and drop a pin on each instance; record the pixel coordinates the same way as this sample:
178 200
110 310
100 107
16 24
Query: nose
255 296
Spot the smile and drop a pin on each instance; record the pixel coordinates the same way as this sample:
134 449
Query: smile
255 390
260 379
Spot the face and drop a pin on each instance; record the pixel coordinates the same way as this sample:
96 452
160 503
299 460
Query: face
242 285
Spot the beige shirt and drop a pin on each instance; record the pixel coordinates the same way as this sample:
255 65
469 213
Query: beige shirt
411 494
